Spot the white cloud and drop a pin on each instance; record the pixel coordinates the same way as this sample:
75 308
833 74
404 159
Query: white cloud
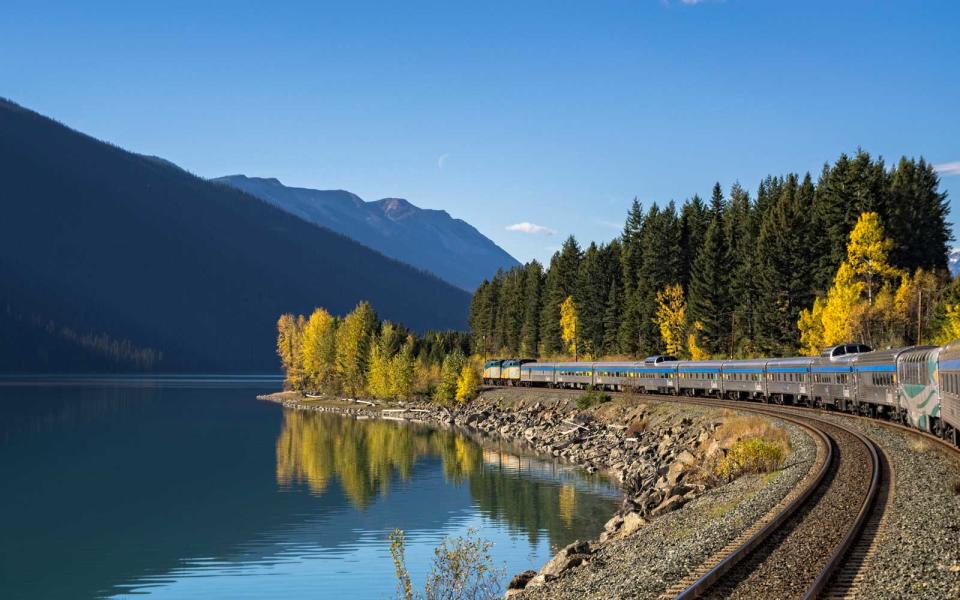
442 160
530 228
948 168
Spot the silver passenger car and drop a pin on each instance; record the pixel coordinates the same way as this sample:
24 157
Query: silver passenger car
535 373
700 377
790 379
574 374
617 375
876 379
950 390
744 378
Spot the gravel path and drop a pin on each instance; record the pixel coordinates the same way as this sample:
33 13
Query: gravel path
644 564
917 554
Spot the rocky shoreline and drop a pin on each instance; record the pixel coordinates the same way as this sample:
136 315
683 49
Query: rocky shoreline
656 451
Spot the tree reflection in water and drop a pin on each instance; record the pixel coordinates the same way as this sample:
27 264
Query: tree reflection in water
531 495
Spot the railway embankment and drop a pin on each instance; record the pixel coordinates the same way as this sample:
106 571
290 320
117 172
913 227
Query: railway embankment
676 511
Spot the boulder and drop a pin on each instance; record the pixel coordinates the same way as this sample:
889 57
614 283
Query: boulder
519 582
670 504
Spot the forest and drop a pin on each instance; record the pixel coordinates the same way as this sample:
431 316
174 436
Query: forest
859 254
359 355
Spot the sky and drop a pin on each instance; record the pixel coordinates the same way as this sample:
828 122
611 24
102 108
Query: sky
530 120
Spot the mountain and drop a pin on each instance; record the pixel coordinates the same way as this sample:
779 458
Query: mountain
953 261
428 239
113 260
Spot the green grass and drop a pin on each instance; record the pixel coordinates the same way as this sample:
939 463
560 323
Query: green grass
592 398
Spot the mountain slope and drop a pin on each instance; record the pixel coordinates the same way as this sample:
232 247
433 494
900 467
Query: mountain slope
127 251
428 239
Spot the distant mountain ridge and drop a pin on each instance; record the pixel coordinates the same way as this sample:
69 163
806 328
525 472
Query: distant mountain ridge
116 261
428 239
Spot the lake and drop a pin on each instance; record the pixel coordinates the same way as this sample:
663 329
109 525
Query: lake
189 487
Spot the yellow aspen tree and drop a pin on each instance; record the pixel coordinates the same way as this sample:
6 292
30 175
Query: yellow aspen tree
693 347
378 376
353 347
868 252
844 307
468 384
446 389
950 330
568 325
290 349
403 372
671 317
811 328
319 349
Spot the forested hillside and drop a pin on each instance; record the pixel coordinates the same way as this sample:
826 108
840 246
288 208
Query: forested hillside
730 276
111 260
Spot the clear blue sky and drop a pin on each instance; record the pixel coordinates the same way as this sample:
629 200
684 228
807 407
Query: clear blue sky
552 113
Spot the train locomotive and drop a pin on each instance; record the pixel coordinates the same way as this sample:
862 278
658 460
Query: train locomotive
918 385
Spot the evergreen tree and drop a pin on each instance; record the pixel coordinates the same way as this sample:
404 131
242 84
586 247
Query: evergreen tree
694 220
918 220
530 330
561 283
631 260
591 300
660 267
611 320
785 271
710 283
741 226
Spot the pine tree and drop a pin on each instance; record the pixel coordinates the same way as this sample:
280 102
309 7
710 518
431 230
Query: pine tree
530 330
918 220
591 299
561 282
785 270
611 320
741 225
710 283
631 261
694 220
660 243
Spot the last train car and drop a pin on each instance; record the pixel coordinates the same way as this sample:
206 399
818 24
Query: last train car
950 390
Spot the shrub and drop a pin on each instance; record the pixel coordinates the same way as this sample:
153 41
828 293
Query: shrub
592 398
462 569
751 455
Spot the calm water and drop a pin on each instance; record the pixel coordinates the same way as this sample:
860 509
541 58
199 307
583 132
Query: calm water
191 488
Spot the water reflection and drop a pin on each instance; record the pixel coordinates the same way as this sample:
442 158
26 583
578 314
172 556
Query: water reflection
529 494
178 490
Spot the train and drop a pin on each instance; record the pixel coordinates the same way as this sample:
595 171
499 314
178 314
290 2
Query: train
918 386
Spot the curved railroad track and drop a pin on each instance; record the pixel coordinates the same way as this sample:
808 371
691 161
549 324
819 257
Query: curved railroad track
817 541
799 547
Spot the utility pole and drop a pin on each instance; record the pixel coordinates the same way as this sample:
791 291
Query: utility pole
919 312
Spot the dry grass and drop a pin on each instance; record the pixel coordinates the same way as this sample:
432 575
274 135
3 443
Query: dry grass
637 426
753 445
736 427
918 444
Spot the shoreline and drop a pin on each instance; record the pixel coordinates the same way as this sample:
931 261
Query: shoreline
654 451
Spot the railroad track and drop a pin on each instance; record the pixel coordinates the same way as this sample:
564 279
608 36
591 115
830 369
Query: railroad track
818 540
801 548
